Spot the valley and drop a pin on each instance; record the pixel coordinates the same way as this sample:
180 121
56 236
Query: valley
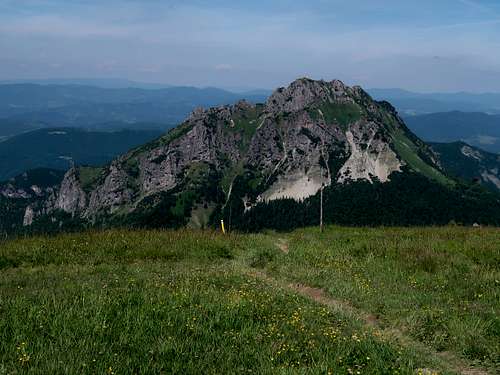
61 148
476 129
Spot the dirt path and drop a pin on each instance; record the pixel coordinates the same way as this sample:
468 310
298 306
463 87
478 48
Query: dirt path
318 295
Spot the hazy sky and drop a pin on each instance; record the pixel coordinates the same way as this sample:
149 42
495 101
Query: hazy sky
425 45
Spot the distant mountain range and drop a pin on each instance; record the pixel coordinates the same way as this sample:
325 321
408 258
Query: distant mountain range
105 83
60 148
31 106
441 117
25 94
477 129
115 104
410 103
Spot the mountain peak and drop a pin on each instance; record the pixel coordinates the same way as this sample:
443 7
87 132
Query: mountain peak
304 92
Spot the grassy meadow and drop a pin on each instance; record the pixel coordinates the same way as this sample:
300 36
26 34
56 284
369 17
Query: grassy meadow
345 301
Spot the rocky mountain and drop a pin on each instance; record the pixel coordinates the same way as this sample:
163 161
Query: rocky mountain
32 183
237 161
28 188
469 163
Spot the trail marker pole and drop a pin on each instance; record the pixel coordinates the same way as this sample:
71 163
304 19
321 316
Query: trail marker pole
321 209
222 226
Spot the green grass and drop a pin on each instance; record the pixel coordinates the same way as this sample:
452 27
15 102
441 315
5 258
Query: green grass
439 286
408 151
172 135
246 124
341 113
200 302
198 174
89 177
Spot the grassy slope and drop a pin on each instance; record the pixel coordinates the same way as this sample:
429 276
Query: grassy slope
343 114
89 176
182 301
409 152
439 286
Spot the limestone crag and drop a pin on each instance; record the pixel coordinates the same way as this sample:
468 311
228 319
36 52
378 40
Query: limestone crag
71 197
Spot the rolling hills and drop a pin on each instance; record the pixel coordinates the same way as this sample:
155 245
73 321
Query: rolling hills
60 148
34 105
477 129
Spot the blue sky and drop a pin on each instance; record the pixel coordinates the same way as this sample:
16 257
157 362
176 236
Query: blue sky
426 45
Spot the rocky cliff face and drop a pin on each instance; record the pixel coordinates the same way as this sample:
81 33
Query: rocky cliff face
71 197
25 195
32 184
308 135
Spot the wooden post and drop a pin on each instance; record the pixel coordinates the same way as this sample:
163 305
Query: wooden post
321 209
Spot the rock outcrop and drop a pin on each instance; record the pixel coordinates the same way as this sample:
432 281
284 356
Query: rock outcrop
71 197
29 214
